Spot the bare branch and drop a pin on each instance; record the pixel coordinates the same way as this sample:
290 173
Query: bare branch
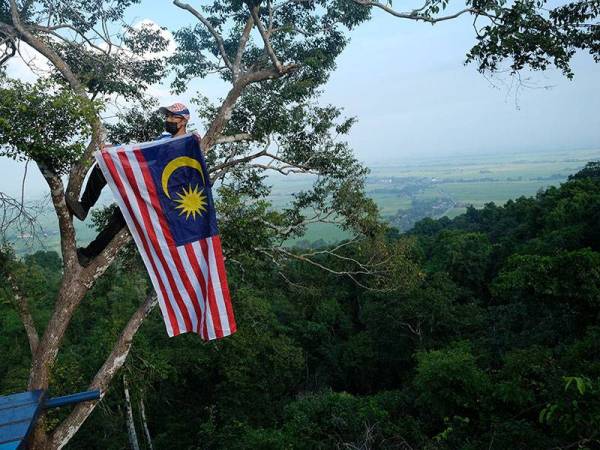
285 232
208 25
21 218
414 14
7 39
287 167
145 425
350 274
52 31
46 51
218 170
67 429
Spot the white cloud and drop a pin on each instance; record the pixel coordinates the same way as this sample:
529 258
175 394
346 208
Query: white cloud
165 34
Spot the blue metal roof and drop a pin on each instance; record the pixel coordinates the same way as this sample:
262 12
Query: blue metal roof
18 413
17 416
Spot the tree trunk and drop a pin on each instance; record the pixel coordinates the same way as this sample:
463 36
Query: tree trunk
70 295
145 424
223 116
133 440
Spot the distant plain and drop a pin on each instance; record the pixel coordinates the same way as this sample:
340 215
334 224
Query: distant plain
405 191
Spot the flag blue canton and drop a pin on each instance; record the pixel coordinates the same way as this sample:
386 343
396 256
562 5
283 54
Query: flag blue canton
179 173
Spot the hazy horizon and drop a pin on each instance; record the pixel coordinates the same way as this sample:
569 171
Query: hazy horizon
407 85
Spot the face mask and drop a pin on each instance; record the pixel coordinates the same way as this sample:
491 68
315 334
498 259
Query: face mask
171 127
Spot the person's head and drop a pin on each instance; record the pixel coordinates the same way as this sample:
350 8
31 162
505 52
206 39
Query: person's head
176 118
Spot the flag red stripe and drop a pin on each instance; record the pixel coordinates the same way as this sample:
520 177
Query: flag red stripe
216 241
117 179
153 239
153 197
212 301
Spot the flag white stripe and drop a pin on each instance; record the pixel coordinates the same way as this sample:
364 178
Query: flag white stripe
138 215
216 282
138 240
210 327
164 245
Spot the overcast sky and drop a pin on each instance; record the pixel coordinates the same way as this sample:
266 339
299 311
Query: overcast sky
413 96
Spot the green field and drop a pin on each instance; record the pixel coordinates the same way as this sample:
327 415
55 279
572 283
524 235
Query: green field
461 180
405 191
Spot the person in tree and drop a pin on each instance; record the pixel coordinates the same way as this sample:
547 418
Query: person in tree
176 119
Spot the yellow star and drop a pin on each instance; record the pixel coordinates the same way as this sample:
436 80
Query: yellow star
191 202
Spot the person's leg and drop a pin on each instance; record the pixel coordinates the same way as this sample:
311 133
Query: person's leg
114 225
93 188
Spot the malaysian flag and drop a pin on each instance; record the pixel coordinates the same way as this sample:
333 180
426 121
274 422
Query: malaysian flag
163 190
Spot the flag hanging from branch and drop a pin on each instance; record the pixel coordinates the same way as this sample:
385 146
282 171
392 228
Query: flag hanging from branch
164 192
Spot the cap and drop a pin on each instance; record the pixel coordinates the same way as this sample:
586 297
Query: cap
176 109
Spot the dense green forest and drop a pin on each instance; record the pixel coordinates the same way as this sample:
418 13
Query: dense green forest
490 341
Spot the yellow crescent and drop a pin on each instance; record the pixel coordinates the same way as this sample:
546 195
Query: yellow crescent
182 161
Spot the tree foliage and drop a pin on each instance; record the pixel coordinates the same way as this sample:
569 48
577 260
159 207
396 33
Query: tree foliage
39 122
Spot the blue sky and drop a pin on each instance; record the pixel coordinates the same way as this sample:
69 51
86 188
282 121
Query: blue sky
413 96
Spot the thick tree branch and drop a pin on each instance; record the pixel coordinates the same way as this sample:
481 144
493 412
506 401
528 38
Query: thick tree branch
22 305
212 30
71 292
67 429
267 41
103 261
65 222
224 114
241 137
241 47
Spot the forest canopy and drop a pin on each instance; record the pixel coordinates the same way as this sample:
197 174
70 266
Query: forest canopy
492 342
